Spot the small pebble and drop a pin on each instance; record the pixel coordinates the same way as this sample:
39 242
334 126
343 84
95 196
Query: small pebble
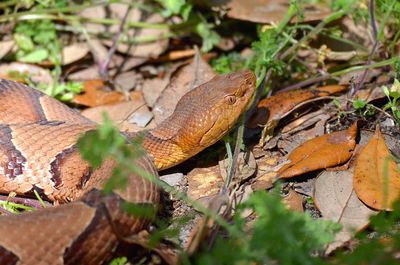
172 179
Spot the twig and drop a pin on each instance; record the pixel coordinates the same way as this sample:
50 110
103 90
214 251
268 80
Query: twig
306 82
103 66
361 67
25 201
354 90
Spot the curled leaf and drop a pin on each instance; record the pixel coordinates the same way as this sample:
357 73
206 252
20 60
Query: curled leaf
328 150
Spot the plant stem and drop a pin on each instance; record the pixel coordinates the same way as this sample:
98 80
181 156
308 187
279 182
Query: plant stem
313 33
362 67
105 21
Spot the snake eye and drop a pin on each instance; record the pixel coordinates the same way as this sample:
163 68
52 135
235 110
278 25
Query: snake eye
230 100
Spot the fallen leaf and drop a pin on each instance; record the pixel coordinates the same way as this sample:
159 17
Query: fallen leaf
95 95
336 200
138 52
36 73
141 117
74 52
265 173
204 182
356 76
304 128
182 81
119 113
127 81
376 175
269 11
152 89
175 55
322 152
294 201
87 73
276 106
5 47
368 95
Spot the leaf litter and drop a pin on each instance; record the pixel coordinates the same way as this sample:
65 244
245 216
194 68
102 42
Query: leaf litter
157 73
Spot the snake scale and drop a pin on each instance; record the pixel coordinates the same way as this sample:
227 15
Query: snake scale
38 152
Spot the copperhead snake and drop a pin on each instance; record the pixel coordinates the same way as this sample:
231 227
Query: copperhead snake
38 152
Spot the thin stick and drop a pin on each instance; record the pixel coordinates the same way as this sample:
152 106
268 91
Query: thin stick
354 90
103 66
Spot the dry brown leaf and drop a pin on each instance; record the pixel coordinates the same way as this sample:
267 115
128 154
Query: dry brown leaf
87 73
152 89
95 95
141 52
276 106
376 175
36 73
120 112
294 201
265 173
368 95
127 81
356 76
335 198
5 47
74 52
206 181
182 81
269 11
322 152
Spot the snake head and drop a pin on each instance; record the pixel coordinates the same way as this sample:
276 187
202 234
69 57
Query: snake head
201 118
205 114
226 97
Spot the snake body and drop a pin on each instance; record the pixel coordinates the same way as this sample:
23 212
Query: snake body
38 152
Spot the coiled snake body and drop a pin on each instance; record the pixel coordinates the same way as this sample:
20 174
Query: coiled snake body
38 152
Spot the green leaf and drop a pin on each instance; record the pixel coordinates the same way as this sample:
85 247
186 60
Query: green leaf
96 145
173 6
277 235
359 104
118 180
185 11
386 90
35 56
67 91
210 37
24 42
119 261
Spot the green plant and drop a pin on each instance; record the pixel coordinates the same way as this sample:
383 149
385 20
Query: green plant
363 107
276 236
228 63
37 42
393 95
